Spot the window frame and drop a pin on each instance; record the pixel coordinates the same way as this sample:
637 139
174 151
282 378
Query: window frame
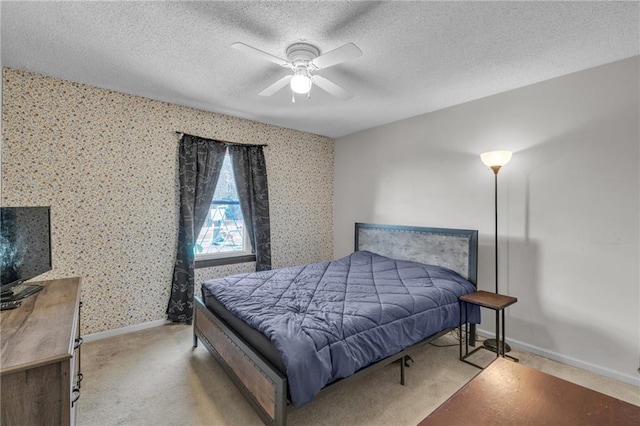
229 260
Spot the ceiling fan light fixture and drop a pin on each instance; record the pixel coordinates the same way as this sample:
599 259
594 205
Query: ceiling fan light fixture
301 81
304 59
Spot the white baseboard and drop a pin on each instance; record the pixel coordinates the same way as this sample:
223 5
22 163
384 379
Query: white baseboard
124 330
626 378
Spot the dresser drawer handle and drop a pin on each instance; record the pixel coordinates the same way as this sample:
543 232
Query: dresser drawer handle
75 392
80 377
79 341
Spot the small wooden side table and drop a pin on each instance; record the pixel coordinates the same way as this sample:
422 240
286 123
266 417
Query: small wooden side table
485 299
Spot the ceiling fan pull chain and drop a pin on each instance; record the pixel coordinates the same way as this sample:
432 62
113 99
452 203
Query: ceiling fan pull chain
293 97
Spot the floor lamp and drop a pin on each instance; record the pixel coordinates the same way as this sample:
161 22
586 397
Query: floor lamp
495 160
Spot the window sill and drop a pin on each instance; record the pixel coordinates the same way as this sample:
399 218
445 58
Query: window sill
207 263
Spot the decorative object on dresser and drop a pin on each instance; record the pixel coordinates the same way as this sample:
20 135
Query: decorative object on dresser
40 359
392 274
495 160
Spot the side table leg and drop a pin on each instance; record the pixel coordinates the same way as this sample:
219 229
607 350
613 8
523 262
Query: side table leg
460 340
466 338
460 331
504 342
497 334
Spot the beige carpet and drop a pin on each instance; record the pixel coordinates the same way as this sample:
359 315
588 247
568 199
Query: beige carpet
154 377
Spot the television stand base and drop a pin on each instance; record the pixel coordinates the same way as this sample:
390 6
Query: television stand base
25 291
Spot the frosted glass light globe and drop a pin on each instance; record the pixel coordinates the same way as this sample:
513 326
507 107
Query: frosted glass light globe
301 82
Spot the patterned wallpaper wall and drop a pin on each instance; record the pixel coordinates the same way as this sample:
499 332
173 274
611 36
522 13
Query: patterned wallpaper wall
106 163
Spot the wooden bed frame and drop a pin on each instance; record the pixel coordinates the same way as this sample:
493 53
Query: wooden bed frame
264 387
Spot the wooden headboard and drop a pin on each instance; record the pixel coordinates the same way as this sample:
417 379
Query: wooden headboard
455 249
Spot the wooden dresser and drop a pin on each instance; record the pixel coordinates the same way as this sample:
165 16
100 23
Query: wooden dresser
40 362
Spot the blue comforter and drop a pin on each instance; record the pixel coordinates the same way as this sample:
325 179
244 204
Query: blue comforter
330 319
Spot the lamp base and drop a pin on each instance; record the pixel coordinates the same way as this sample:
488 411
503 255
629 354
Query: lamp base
491 344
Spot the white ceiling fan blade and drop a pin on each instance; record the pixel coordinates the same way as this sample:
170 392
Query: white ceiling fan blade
276 86
341 54
331 88
259 53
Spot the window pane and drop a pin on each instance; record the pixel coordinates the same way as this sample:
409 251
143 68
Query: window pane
226 187
223 229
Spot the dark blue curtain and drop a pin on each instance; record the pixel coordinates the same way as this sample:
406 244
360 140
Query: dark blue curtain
200 161
250 171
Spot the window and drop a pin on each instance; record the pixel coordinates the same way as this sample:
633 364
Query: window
223 232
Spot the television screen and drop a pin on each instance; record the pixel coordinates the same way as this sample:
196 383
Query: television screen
25 244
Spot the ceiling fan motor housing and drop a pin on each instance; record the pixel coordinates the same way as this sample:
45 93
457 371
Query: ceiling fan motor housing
302 54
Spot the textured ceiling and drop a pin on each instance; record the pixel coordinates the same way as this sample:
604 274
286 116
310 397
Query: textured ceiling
418 56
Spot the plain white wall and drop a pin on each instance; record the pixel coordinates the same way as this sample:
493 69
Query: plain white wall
568 205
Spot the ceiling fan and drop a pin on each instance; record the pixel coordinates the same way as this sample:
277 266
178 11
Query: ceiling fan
304 59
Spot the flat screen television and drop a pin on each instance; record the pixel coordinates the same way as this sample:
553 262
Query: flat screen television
25 248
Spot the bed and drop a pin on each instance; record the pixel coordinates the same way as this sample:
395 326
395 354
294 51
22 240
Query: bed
318 340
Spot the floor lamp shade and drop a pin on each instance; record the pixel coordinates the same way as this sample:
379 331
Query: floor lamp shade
496 159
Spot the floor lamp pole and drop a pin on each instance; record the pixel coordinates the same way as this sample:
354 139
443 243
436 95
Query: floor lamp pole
495 160
492 343
495 199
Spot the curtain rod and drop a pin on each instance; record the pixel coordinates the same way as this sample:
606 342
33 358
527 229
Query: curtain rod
218 140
